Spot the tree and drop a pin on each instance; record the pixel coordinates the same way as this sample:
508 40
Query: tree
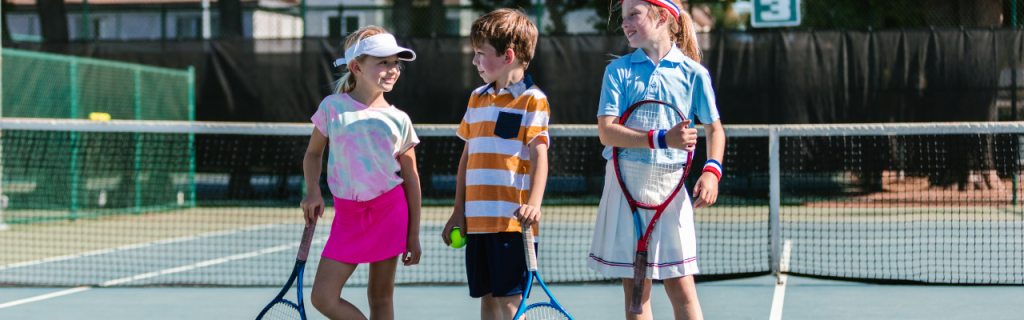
230 18
437 17
608 12
558 9
54 21
491 5
834 14
7 6
401 17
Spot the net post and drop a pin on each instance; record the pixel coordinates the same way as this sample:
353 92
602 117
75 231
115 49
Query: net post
774 200
138 141
1017 167
3 204
191 136
73 74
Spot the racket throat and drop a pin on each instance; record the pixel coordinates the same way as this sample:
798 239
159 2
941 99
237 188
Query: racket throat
636 304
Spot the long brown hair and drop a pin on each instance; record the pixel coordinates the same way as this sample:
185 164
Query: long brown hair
683 32
347 82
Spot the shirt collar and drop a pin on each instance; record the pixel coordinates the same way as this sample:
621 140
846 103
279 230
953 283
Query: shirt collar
516 89
674 56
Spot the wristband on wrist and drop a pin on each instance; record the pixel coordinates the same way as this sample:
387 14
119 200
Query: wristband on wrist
714 167
650 139
661 139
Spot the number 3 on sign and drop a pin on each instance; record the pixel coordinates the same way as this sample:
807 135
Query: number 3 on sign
777 10
775 13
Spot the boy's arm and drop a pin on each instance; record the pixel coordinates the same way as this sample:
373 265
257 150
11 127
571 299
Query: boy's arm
458 218
706 190
411 184
530 212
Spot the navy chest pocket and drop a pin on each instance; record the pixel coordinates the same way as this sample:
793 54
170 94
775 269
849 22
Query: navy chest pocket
507 126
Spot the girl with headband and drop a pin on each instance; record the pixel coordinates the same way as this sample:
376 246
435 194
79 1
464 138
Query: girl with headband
376 211
666 66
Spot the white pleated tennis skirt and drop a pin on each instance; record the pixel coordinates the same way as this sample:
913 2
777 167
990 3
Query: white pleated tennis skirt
672 252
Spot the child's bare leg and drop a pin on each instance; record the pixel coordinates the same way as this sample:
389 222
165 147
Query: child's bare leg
499 308
627 287
381 289
509 305
326 296
489 308
682 292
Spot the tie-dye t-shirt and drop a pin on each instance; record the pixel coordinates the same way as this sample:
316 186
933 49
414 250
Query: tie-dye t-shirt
364 146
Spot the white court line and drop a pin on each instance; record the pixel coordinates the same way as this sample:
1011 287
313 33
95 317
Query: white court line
43 297
780 287
161 272
139 245
205 263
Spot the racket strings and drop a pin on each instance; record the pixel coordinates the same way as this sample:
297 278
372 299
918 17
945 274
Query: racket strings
282 311
651 175
543 312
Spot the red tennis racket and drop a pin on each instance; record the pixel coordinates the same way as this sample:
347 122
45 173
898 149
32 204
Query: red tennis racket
650 178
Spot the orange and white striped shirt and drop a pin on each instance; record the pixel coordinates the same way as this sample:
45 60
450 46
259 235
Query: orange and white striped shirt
498 128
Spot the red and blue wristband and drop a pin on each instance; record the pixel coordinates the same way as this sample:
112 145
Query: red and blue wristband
714 167
656 139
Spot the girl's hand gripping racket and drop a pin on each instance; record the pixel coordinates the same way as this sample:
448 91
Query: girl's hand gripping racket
281 308
650 177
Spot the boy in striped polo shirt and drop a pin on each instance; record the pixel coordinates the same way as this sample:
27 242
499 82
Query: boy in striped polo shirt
504 164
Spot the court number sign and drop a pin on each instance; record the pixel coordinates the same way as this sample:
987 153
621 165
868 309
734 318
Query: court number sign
775 13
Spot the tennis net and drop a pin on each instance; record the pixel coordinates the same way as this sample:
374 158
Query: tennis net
136 203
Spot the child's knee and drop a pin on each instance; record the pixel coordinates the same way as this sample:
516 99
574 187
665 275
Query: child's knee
319 300
380 302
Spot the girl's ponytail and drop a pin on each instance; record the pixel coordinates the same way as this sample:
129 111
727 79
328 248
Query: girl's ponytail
684 34
347 82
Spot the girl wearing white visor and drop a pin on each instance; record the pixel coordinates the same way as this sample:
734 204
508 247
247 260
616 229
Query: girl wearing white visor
376 211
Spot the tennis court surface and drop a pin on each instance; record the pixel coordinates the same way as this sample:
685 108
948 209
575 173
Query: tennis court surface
182 219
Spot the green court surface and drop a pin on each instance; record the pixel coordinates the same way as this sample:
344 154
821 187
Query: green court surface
804 298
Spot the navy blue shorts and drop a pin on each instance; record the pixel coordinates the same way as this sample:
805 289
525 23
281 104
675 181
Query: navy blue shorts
496 264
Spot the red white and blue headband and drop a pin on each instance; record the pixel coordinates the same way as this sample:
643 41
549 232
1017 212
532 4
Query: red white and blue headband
667 4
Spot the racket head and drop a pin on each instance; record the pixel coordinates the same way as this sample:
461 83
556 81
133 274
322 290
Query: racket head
282 310
649 177
544 311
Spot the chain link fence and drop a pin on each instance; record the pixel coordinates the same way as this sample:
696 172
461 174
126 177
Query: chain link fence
145 19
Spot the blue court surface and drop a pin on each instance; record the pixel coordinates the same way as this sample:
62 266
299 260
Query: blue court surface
754 298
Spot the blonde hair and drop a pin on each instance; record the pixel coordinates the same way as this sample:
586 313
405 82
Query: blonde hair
347 82
506 29
683 32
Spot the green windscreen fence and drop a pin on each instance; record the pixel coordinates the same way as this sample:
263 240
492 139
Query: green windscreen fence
70 175
43 85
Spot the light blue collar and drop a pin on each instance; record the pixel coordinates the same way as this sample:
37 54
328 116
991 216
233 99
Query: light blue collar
674 56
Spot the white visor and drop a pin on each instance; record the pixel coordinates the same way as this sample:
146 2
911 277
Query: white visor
381 45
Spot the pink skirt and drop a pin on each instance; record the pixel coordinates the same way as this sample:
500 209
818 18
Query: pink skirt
369 231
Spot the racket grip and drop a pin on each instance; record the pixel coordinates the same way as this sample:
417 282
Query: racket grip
307 238
639 277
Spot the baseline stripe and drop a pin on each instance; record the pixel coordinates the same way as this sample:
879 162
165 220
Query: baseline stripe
206 263
44 297
138 245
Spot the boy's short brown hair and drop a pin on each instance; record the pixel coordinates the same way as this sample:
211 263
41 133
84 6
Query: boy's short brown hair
504 29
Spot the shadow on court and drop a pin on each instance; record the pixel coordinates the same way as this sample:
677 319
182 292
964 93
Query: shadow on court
734 299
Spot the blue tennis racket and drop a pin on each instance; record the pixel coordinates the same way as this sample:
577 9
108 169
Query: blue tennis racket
541 310
280 308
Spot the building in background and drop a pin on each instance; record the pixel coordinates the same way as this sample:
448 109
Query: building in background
285 19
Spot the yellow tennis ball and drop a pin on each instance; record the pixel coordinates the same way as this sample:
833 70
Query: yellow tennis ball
457 240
